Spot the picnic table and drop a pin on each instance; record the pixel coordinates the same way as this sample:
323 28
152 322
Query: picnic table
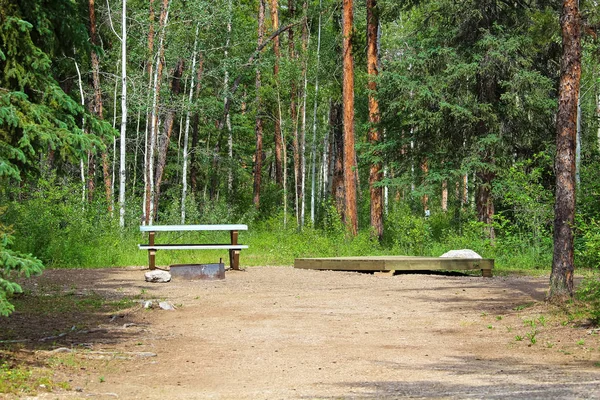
233 246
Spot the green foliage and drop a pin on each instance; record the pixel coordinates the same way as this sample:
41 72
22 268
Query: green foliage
12 264
589 292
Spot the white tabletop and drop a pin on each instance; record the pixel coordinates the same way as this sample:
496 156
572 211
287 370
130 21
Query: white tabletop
165 228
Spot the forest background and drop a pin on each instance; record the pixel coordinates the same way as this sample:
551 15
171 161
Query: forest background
119 113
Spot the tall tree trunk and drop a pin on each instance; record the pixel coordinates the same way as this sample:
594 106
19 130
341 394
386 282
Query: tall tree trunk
374 137
276 51
313 151
150 187
123 142
148 67
294 114
351 219
81 165
337 155
302 137
561 279
228 117
187 128
168 130
258 129
97 108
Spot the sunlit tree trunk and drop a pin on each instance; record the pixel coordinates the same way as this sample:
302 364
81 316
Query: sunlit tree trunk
374 136
277 122
81 165
561 279
227 116
123 142
351 219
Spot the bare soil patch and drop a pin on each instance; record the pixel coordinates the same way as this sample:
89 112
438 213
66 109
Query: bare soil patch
283 333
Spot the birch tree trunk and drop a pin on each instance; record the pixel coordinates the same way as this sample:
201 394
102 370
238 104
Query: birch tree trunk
123 143
374 137
187 128
81 166
351 219
561 278
226 86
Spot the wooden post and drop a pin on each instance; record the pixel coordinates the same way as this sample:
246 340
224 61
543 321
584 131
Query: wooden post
151 252
234 255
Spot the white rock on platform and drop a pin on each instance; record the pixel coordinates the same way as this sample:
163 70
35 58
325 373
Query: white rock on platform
157 276
463 253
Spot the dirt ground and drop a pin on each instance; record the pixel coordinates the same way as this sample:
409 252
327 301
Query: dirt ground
283 333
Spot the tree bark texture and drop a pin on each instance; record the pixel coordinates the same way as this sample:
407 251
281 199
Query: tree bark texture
350 220
98 110
277 52
337 156
561 279
258 128
374 136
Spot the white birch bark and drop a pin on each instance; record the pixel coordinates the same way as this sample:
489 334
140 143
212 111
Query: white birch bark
187 130
122 160
227 117
81 167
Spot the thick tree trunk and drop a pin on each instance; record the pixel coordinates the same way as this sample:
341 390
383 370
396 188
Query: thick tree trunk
350 219
374 137
277 122
337 156
81 165
258 128
561 279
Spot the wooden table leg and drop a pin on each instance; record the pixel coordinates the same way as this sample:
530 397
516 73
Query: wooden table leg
152 252
234 255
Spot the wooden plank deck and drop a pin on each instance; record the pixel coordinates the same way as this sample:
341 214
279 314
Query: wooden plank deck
396 263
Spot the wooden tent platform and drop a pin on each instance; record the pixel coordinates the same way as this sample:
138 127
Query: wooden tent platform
396 263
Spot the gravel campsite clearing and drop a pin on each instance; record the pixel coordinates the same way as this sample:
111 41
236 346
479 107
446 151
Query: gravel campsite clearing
284 333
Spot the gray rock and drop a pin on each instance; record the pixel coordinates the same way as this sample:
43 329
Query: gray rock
165 305
463 253
157 276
